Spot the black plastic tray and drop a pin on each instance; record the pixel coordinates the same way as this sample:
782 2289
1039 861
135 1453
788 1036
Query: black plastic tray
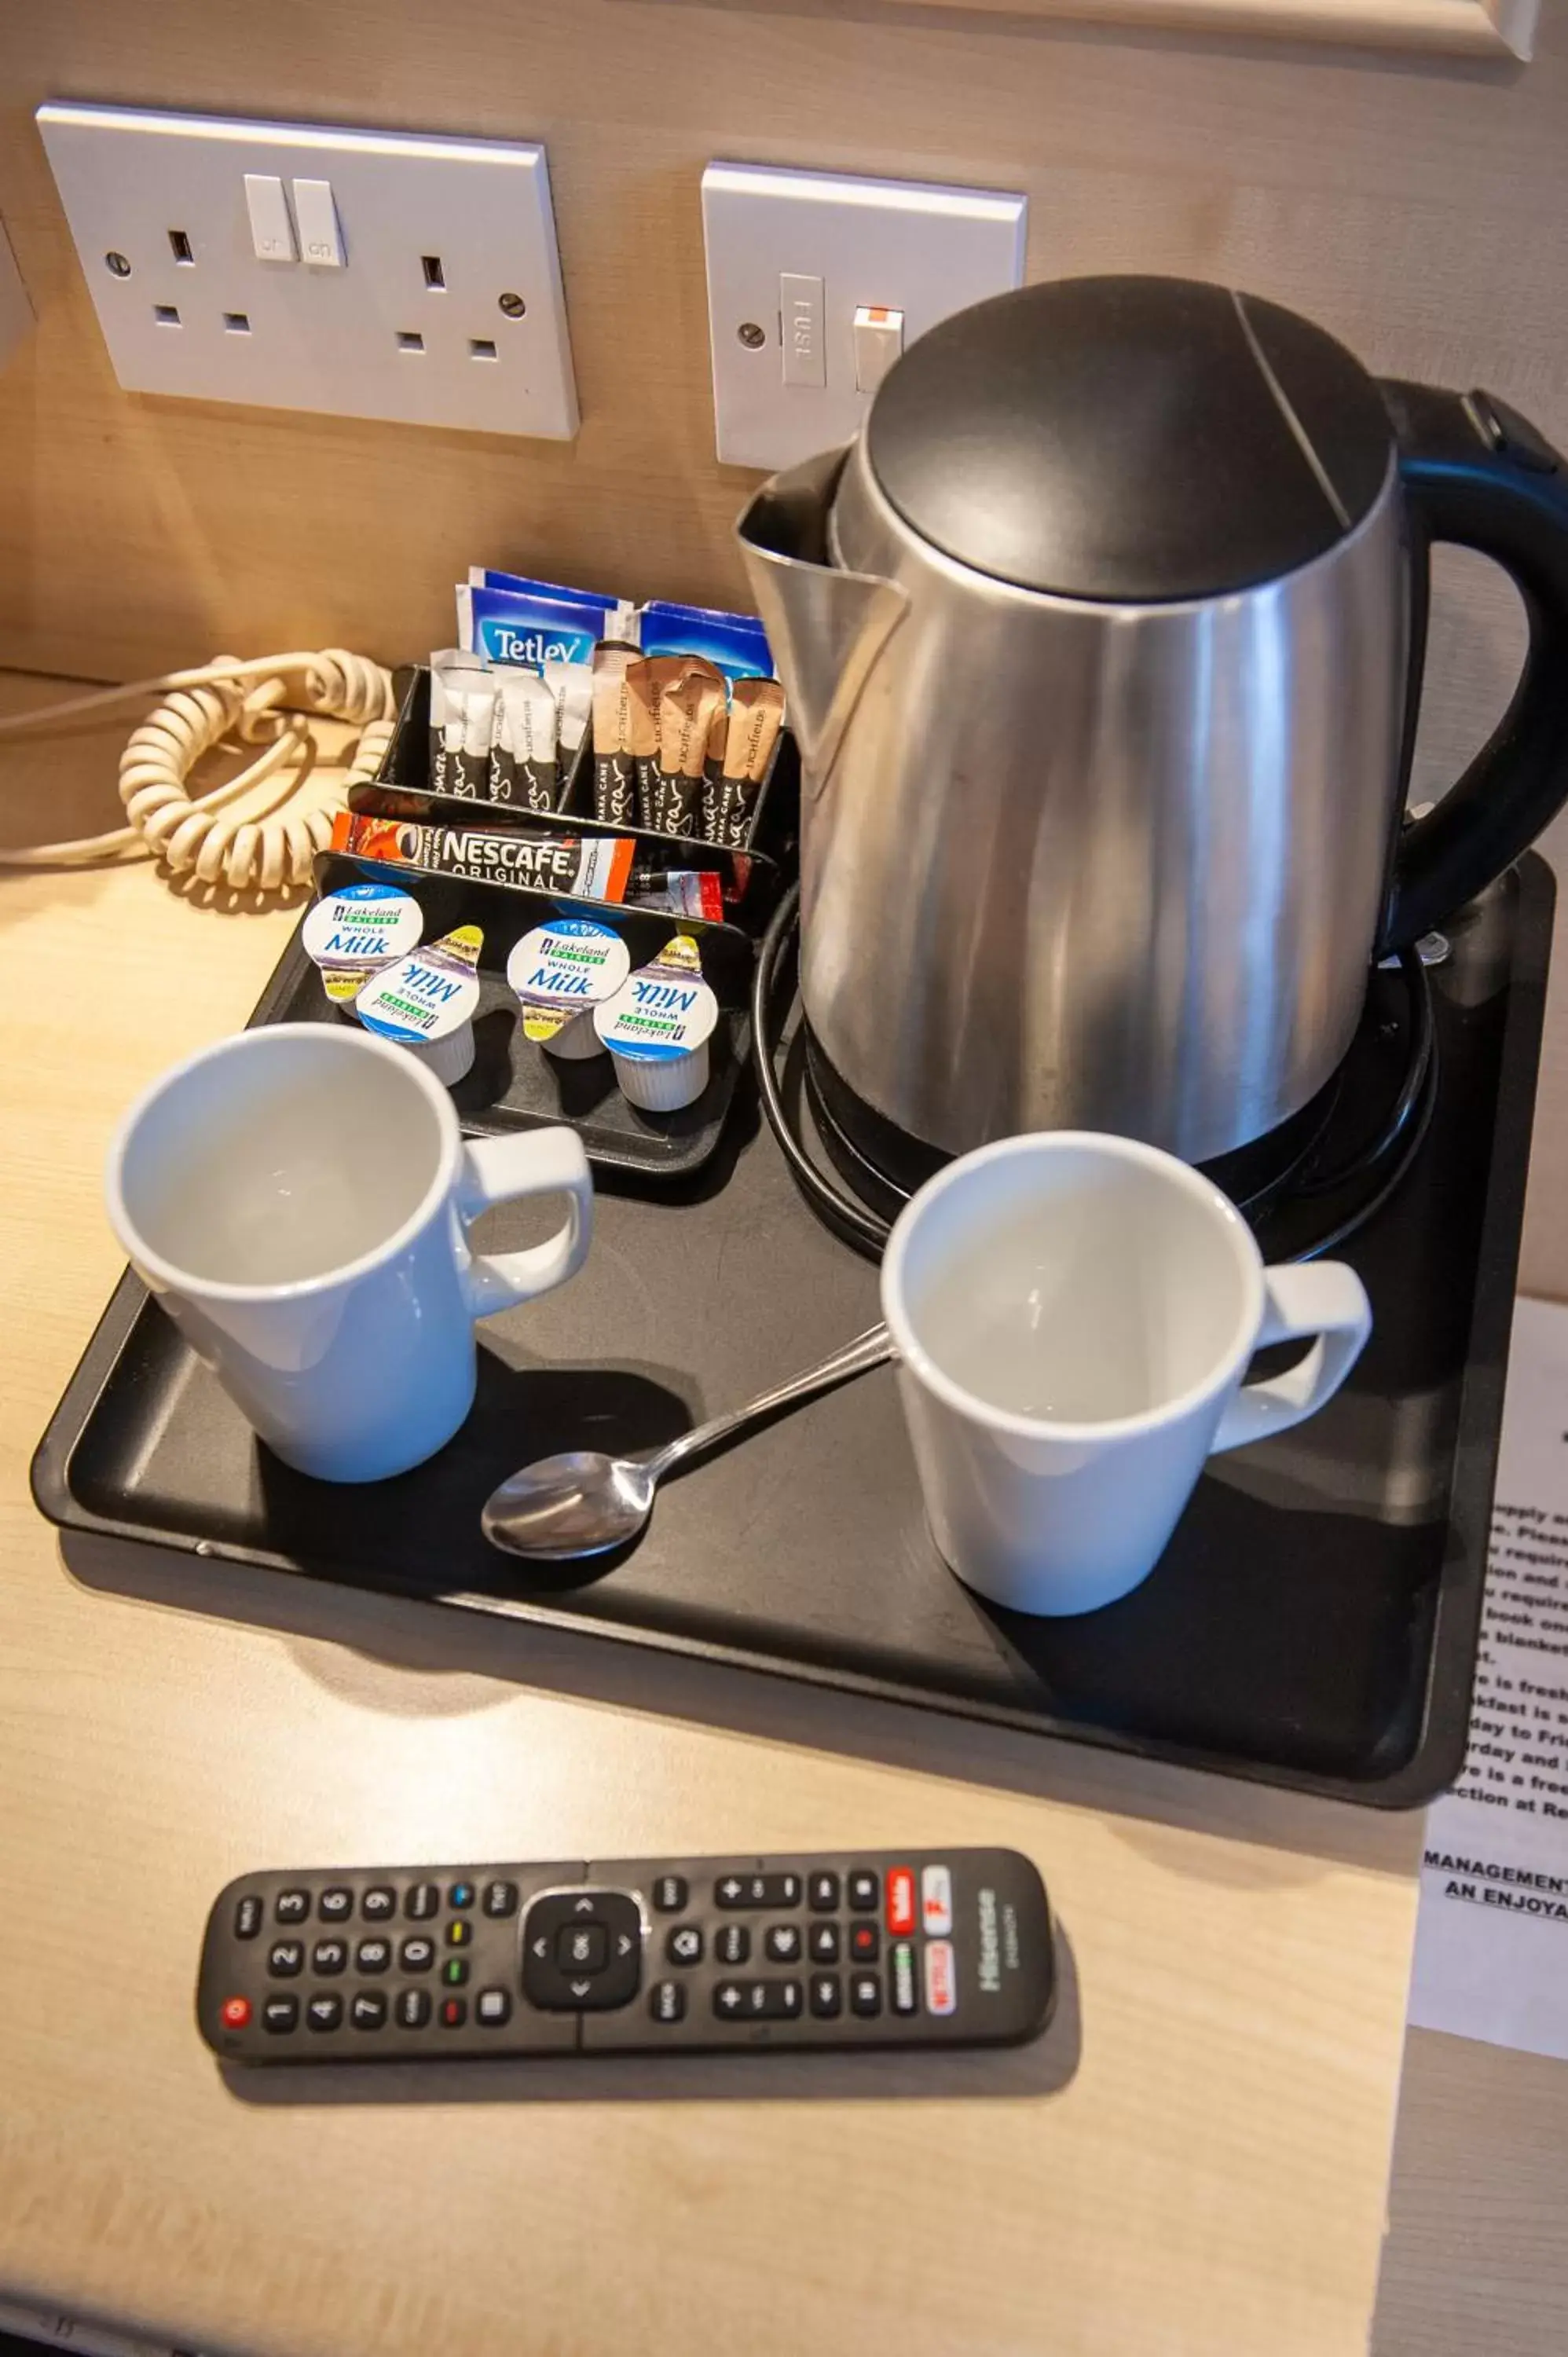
1312 1623
514 1084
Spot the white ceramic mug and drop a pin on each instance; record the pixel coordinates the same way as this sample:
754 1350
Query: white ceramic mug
1073 1316
297 1199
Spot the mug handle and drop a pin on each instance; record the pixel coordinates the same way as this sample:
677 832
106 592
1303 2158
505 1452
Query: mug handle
498 1170
1321 1298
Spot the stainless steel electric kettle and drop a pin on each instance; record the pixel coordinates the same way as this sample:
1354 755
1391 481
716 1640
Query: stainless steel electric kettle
1104 644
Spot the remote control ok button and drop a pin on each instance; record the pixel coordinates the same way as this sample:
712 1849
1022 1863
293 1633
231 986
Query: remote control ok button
582 1950
582 1947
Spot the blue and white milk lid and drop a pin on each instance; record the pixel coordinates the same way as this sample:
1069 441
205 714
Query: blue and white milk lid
565 969
664 1011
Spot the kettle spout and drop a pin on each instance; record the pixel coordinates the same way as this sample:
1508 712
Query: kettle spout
827 629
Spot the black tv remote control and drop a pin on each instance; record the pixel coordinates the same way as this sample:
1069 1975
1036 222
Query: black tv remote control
629 1956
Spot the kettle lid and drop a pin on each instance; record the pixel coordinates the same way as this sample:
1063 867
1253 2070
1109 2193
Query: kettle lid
1130 439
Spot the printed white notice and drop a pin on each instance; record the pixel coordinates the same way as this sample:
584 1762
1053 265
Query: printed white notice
1491 1943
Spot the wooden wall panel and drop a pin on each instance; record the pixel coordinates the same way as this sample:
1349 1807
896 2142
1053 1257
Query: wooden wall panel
1419 208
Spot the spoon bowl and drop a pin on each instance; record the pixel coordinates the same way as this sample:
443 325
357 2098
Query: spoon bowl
579 1503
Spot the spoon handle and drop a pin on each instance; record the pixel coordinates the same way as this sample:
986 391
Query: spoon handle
868 1349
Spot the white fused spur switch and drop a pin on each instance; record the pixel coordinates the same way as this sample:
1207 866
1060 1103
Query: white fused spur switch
361 274
817 281
878 340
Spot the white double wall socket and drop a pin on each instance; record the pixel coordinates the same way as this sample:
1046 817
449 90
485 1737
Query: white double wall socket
362 273
817 281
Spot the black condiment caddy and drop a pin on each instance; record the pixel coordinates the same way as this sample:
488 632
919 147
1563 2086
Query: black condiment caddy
514 1084
754 876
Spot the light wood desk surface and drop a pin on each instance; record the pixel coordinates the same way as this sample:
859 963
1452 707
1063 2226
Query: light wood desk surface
1193 2163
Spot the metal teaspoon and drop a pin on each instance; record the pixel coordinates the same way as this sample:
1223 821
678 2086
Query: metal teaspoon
584 1503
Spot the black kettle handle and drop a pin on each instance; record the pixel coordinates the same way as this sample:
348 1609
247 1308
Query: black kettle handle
1476 472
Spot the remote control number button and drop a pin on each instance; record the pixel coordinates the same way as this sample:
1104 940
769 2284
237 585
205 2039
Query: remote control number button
373 1956
280 2014
285 1959
325 2012
417 1953
292 1906
330 1956
378 1904
368 2009
335 1906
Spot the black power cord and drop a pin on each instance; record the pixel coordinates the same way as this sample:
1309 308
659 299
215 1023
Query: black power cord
847 1218
1401 1134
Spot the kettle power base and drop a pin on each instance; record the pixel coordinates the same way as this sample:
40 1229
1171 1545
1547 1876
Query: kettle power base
1312 1623
882 1167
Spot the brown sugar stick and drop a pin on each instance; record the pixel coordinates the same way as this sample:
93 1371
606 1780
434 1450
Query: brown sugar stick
686 710
756 718
643 690
615 770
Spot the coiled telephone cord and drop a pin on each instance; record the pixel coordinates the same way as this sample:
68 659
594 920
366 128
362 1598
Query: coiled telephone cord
269 701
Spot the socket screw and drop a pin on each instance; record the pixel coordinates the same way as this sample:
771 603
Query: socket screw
512 305
118 264
750 334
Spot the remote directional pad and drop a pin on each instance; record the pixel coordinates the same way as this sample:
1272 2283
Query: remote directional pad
582 1950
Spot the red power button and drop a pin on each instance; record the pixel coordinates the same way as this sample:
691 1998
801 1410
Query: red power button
900 1898
236 2012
